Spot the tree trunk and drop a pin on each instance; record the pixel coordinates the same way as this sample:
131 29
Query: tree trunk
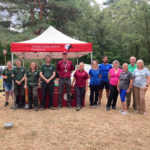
41 10
32 13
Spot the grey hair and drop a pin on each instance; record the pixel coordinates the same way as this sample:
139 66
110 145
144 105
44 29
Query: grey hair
140 61
133 57
18 59
116 61
8 61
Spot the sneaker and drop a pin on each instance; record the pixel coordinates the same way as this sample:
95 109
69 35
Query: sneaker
144 113
59 106
42 109
107 108
91 107
52 108
36 109
78 108
95 106
121 110
6 103
137 112
69 106
99 104
113 107
124 113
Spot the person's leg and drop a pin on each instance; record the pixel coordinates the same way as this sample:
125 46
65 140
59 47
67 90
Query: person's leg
51 93
68 89
123 96
111 95
137 98
142 99
82 91
128 98
100 95
96 94
16 90
78 95
44 93
107 89
29 88
22 91
12 94
61 87
115 97
35 97
134 102
91 94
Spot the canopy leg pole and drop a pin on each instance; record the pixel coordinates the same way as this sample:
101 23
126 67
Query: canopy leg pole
14 102
91 57
23 62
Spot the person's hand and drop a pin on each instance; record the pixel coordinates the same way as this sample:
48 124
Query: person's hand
5 77
132 87
47 81
25 86
128 91
86 88
72 85
19 82
118 89
146 88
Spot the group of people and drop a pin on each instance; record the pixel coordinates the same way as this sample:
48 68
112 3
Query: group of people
133 77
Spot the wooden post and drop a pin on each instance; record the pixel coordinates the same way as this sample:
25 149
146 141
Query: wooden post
5 52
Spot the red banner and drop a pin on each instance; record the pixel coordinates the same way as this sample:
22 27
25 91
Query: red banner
33 47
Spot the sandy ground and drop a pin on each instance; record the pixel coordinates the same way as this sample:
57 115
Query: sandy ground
67 129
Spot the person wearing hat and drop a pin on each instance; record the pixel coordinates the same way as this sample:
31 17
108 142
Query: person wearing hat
47 73
64 69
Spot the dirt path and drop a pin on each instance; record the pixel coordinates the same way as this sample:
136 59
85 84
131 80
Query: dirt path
67 129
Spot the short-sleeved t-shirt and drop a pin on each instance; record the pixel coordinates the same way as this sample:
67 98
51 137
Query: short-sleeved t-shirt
104 71
114 76
32 78
9 73
81 77
125 80
47 71
132 68
19 73
140 77
61 68
95 80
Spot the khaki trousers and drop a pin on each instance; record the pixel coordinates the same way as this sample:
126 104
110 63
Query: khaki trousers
139 94
128 98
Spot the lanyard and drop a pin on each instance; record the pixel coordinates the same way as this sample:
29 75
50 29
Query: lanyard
65 65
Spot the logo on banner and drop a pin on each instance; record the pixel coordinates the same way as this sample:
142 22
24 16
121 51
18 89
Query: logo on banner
68 47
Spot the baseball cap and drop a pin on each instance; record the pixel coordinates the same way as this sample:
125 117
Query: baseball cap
64 52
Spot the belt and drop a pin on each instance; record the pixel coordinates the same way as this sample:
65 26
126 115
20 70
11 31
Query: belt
64 77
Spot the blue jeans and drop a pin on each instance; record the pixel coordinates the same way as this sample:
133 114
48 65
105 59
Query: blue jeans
8 87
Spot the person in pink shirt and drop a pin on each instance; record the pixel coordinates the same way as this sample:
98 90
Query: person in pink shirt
113 76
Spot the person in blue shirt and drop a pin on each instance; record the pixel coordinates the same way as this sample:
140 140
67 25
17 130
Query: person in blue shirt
104 67
94 75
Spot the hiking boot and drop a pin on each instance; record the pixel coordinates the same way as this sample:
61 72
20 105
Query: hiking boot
52 108
42 108
59 106
69 106
6 103
107 108
78 108
113 107
36 108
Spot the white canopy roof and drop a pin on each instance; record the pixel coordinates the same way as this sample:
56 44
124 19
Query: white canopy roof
51 35
52 42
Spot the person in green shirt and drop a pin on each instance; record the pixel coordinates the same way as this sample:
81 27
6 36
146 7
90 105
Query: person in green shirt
131 67
31 83
47 73
18 76
6 75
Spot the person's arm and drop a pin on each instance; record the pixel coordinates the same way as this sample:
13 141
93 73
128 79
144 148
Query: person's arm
130 85
54 73
90 77
23 78
87 83
118 86
58 68
41 75
4 77
109 76
147 83
72 84
25 86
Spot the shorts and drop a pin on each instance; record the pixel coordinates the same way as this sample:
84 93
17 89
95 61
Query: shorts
123 94
104 84
8 87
